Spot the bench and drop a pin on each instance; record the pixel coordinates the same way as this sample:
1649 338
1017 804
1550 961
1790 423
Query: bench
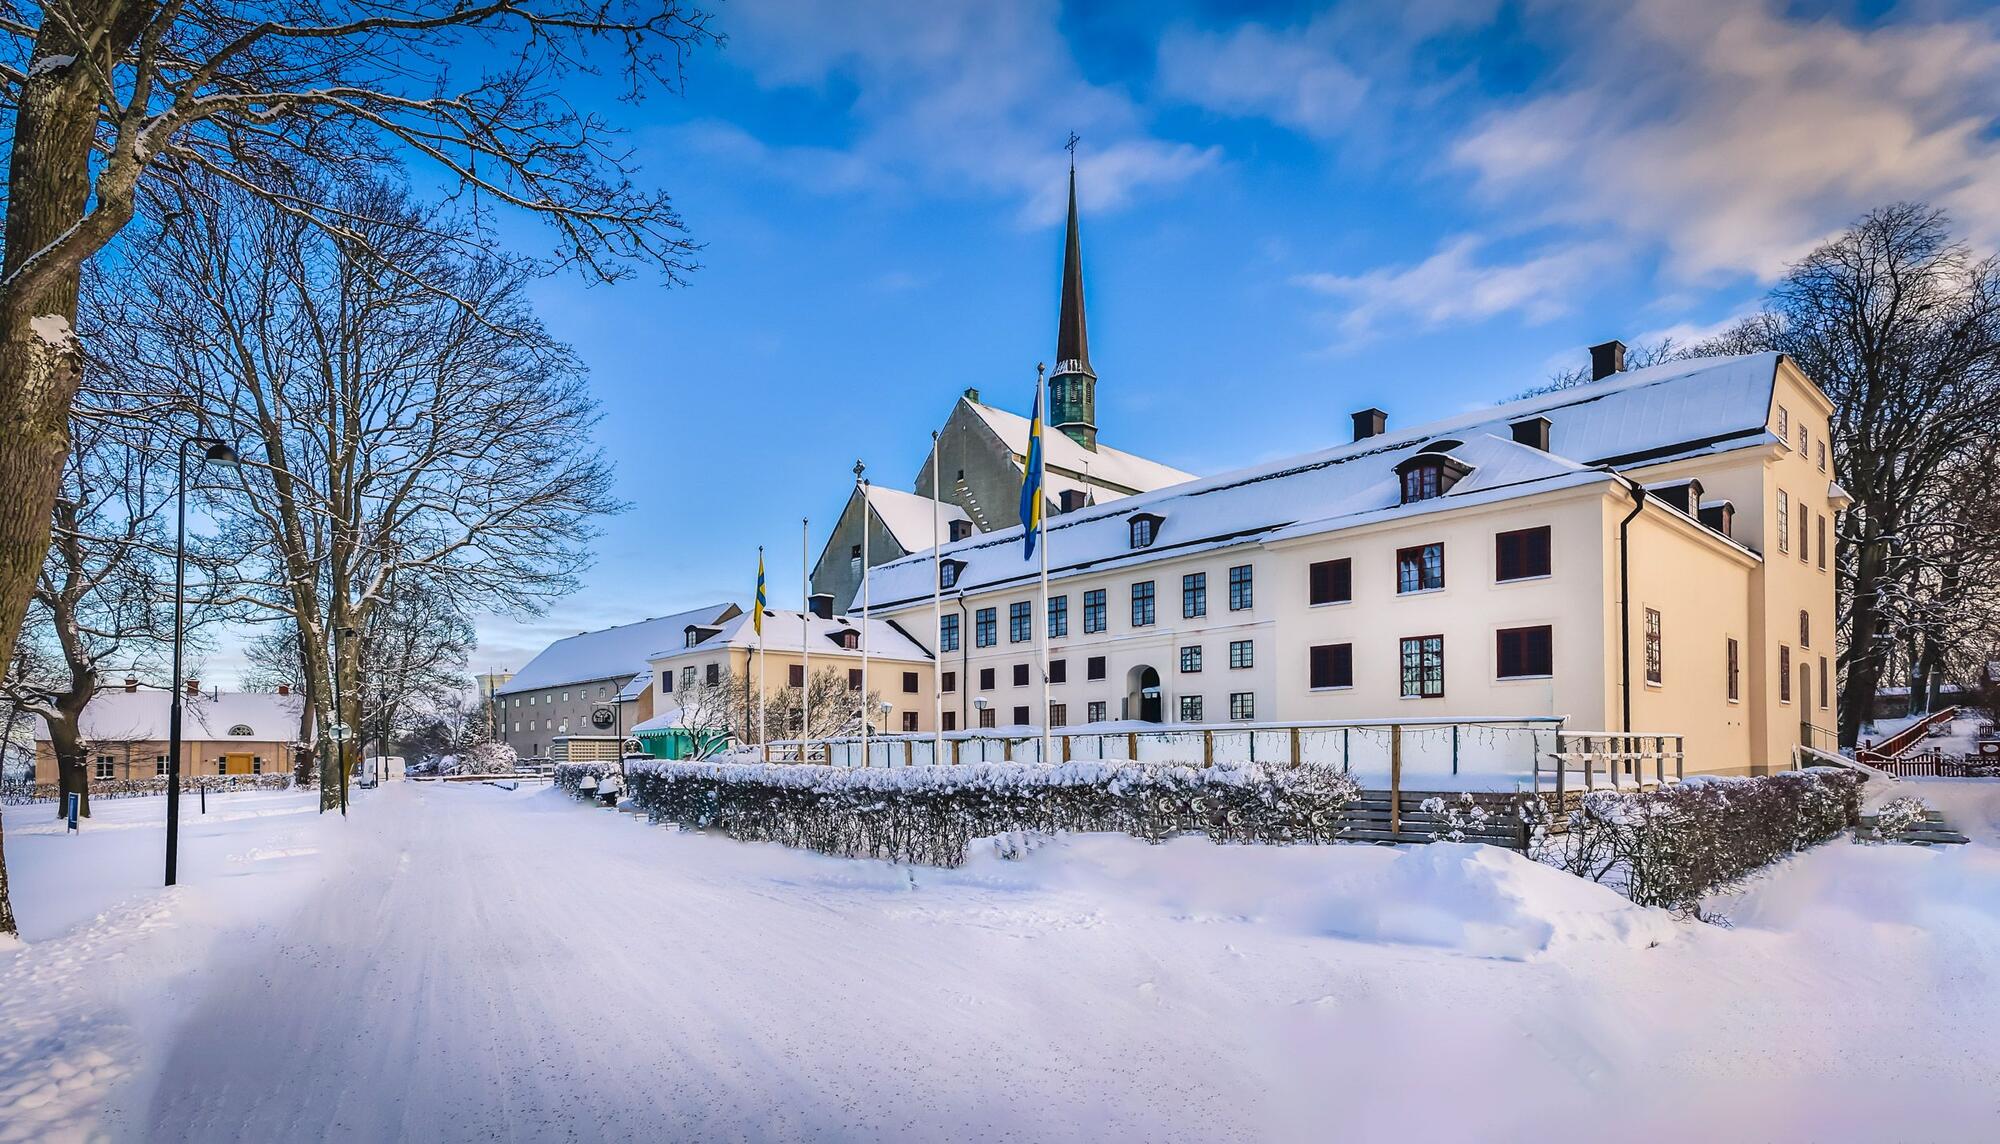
605 790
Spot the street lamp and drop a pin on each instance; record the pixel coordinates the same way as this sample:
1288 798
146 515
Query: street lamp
219 454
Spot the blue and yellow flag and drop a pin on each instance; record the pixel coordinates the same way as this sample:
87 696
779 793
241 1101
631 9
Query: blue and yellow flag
1031 481
757 614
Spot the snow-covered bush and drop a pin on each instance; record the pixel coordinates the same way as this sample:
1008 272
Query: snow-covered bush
135 788
1672 846
570 776
930 814
1898 815
481 758
1456 817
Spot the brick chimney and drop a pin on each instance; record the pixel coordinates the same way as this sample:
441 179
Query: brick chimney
131 683
194 688
284 689
1607 358
1370 423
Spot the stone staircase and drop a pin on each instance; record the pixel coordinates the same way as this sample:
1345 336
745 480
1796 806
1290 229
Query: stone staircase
1931 831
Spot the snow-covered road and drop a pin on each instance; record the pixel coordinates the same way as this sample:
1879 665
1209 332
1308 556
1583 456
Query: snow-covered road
472 964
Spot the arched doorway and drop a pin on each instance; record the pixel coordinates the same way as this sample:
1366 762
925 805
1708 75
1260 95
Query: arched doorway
1142 695
1805 705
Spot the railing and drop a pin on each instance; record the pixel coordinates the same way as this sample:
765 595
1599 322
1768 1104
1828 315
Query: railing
1906 738
1624 756
1819 738
1803 757
1936 764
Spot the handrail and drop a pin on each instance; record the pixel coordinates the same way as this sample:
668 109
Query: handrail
1838 760
1915 733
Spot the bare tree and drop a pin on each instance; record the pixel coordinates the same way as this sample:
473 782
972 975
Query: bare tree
117 95
1900 325
414 653
417 426
1637 357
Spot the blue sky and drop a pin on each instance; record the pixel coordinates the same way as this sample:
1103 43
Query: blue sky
1289 213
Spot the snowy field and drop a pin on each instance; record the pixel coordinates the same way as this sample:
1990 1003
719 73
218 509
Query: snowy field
467 963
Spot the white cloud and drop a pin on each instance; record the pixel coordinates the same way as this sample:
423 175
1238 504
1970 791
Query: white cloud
1289 78
1455 285
965 96
1736 137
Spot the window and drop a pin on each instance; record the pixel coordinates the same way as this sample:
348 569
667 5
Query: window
1784 522
1190 659
910 682
1058 714
948 681
1784 425
1822 543
1822 683
985 679
1524 653
1331 665
714 674
106 766
1094 712
1522 554
1144 528
909 720
256 764
160 761
1020 622
1142 604
222 766
1330 581
1735 669
1423 481
667 681
1420 569
242 729
1784 674
1822 455
1805 534
1093 611
1020 716
948 573
1423 667
1020 675
1242 653
951 720
854 679
1194 595
1093 668
1190 708
795 675
1058 671
1242 705
1239 588
687 677
986 718
1805 628
985 627
849 640
947 633
1654 666
960 529
1058 617
1804 436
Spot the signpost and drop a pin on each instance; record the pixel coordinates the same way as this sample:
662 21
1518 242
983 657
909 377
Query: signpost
72 810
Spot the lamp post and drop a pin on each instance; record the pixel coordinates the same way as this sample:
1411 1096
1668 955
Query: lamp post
221 456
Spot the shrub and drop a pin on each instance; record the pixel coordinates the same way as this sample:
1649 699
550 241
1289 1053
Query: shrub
930 814
569 776
1898 815
1672 846
136 788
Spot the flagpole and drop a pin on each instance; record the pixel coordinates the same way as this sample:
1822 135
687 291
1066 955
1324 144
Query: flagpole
937 612
805 639
763 694
859 468
1042 491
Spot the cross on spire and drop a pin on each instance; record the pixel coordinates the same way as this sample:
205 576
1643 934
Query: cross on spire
1069 145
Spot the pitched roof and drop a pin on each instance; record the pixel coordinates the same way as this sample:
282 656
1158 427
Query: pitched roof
611 653
1106 464
134 716
1680 408
913 520
790 631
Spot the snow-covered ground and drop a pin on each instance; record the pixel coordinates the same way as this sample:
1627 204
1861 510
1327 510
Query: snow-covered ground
466 963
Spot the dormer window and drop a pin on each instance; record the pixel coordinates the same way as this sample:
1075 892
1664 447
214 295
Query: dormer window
1145 529
849 639
693 635
1430 473
948 571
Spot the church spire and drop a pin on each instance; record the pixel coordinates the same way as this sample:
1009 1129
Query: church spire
1073 385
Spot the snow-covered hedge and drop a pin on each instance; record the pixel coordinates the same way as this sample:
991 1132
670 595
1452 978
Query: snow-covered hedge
930 814
569 776
134 788
1672 846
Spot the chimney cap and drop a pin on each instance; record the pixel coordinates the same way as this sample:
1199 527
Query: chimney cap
1369 422
1607 358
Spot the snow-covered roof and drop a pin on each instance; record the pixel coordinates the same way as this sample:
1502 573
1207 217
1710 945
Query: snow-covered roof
135 716
612 653
916 522
1676 409
1106 464
791 631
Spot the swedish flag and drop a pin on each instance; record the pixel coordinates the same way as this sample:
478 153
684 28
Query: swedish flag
757 614
1031 481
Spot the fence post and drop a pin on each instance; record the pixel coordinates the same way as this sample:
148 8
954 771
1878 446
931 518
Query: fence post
1454 748
956 744
1295 746
1207 748
1395 780
1132 746
1006 750
909 753
1562 768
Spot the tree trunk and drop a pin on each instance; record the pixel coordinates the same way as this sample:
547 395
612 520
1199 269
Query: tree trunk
7 926
1864 661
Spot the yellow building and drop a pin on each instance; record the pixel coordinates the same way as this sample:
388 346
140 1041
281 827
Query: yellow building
125 733
1648 552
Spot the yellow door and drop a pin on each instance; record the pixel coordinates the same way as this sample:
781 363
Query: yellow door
239 764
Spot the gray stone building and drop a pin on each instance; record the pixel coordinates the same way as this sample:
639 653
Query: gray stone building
980 459
560 691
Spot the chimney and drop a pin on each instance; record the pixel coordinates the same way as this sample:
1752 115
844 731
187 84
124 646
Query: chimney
284 689
1532 432
1720 516
1370 423
131 683
194 688
1606 359
961 529
1071 500
972 395
820 604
